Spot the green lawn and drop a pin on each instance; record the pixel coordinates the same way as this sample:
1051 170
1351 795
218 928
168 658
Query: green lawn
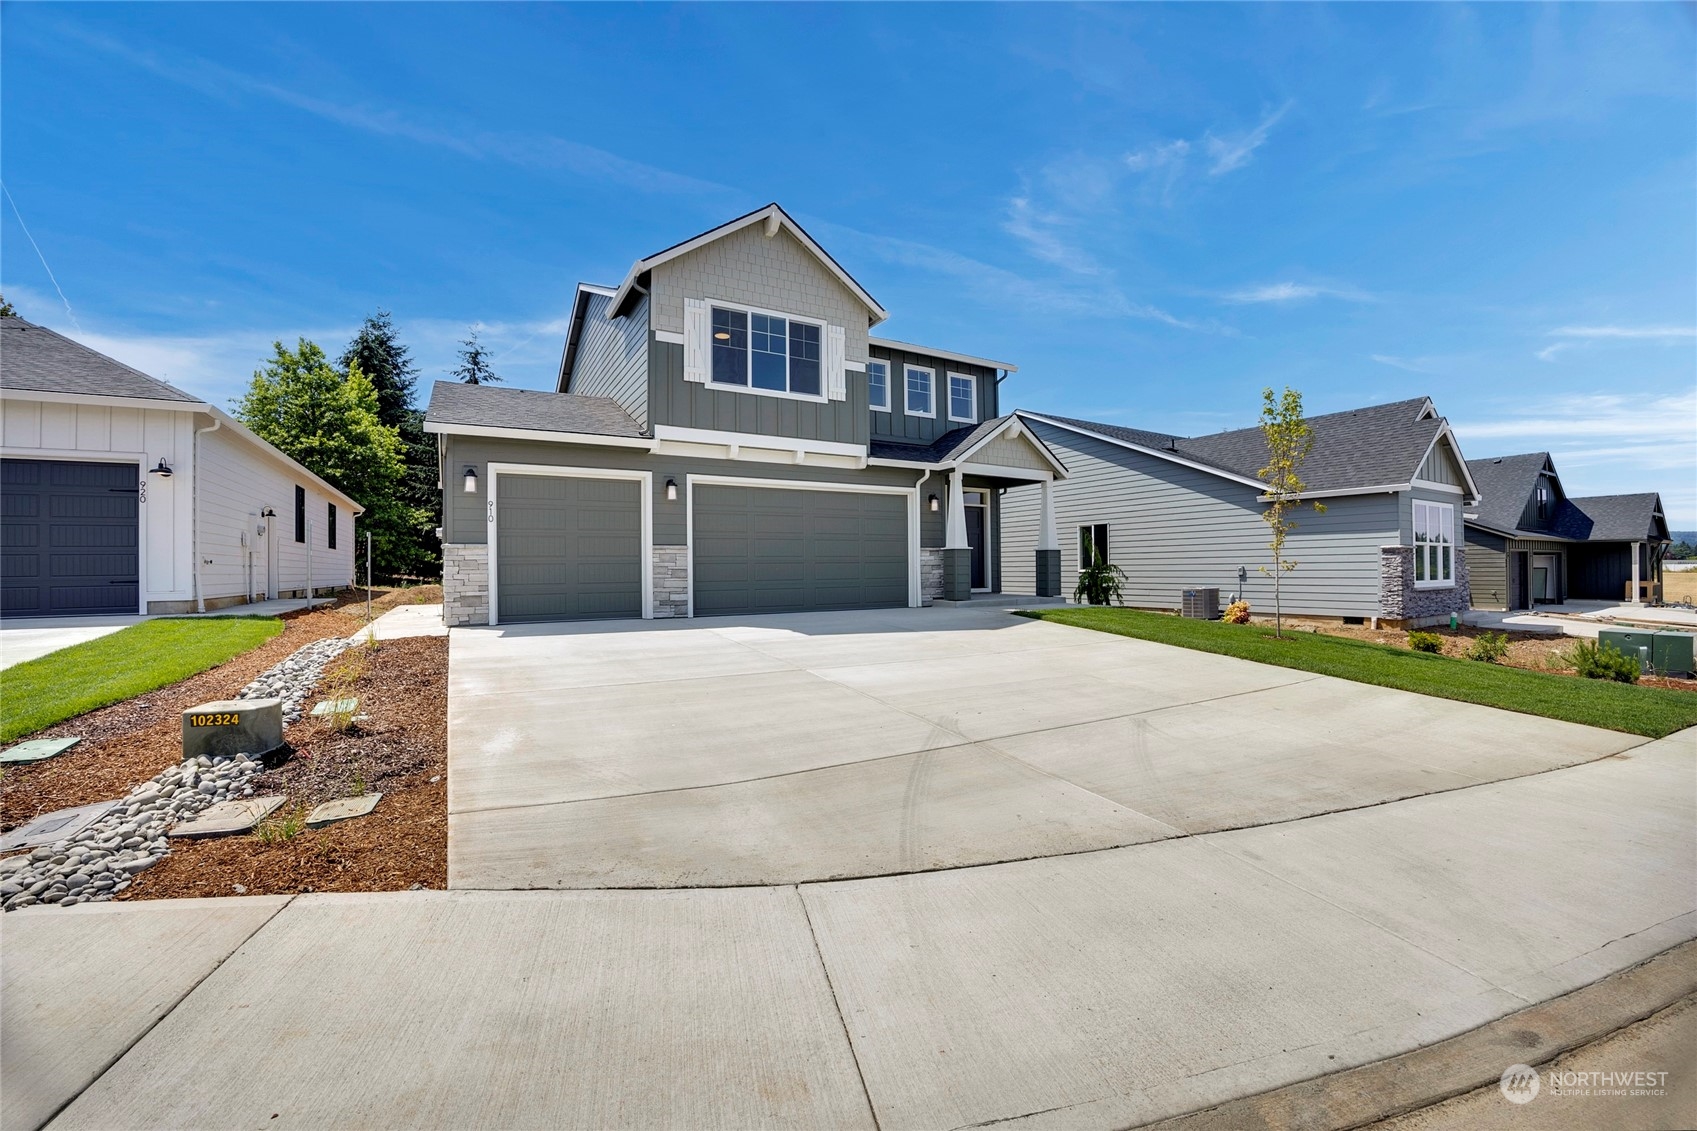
1649 711
119 666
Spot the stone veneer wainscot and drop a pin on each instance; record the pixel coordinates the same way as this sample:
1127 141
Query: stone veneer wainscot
465 583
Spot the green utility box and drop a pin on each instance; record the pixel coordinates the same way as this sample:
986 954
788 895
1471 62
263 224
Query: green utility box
1632 642
1671 653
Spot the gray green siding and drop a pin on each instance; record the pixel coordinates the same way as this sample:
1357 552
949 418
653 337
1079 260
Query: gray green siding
1441 466
1487 568
1173 527
688 404
612 357
898 425
465 516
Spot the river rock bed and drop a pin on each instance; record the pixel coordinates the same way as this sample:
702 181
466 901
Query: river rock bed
293 679
104 858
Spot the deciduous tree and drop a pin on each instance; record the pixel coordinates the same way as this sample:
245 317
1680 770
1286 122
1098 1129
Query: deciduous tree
1289 440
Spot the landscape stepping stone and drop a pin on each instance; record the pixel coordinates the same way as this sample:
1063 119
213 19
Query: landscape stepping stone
50 828
227 817
38 749
336 707
341 809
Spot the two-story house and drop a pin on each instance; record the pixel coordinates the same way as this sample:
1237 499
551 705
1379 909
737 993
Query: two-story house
727 437
1529 543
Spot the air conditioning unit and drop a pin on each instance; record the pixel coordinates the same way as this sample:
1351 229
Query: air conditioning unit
1202 603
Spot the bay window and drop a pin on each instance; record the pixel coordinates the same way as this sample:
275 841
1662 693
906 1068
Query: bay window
1434 545
761 350
919 402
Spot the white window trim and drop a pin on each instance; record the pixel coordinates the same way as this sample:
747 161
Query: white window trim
645 478
888 392
690 481
932 373
824 330
1448 510
971 383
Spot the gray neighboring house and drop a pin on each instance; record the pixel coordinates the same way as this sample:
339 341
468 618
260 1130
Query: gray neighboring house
726 436
1175 512
1529 543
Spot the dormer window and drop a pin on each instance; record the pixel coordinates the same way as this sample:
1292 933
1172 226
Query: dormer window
878 385
760 349
963 398
919 391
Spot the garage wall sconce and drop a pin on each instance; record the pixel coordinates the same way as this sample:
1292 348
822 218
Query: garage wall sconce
933 501
671 490
471 480
163 470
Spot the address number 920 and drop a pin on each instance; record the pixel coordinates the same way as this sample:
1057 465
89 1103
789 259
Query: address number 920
225 719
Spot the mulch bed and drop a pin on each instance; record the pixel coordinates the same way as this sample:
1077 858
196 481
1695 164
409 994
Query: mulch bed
400 750
129 742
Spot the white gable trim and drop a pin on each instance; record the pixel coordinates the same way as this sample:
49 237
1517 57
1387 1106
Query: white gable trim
1012 424
774 218
1444 433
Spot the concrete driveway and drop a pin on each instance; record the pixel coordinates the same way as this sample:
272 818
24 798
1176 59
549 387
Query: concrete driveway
809 747
34 637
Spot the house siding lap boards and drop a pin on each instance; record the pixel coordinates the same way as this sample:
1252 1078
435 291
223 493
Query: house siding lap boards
612 356
1173 527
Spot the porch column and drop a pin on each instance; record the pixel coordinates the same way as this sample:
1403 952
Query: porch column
957 552
1048 545
1636 597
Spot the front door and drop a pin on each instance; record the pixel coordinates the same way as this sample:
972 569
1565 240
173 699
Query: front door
978 537
1545 580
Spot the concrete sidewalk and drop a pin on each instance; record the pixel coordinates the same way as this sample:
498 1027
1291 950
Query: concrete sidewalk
1100 989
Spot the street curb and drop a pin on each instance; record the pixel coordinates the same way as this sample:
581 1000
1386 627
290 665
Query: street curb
1360 1096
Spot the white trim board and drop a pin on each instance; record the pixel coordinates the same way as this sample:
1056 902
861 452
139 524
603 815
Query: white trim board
912 493
587 439
946 355
493 510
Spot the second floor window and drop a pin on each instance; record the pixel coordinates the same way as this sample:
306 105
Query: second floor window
759 350
878 385
919 401
963 398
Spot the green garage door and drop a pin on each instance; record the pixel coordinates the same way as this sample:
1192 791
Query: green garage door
775 550
568 548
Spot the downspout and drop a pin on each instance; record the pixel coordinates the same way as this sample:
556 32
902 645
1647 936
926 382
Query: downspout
918 535
194 513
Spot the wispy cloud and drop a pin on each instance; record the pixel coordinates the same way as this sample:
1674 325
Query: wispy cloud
1572 336
1042 234
1236 151
1289 292
1670 419
541 152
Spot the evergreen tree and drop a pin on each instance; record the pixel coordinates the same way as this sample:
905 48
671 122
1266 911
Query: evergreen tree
473 368
6 308
386 364
328 420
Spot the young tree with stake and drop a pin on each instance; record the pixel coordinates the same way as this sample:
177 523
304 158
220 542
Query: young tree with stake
1289 440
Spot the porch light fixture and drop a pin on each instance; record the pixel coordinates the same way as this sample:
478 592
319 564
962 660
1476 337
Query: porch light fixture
933 501
471 480
163 470
671 490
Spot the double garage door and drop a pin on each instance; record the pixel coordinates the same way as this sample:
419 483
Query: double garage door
570 548
68 538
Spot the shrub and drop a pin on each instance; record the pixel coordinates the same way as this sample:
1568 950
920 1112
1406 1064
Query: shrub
1236 613
1490 648
1426 642
1098 582
1604 661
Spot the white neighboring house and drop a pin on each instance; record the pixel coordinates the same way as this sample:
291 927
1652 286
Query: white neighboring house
122 494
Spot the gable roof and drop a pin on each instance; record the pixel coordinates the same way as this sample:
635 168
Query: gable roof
1380 446
488 406
1505 485
1623 518
37 359
958 444
774 218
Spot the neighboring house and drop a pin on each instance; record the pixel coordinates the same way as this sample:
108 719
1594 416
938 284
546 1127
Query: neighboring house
1528 543
124 495
1177 512
726 437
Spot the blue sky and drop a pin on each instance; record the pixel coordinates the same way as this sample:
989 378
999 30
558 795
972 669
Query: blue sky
1155 211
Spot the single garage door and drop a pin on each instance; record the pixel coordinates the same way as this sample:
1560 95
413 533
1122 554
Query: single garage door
773 550
568 548
67 537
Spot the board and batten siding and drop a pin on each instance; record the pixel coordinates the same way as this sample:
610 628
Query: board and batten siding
1440 466
236 482
1487 569
31 429
1172 527
690 404
898 424
466 515
612 356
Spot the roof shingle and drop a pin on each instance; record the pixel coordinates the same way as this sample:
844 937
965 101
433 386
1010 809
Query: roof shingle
37 359
492 407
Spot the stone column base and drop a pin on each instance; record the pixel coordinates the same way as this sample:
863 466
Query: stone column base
930 574
957 575
1048 573
671 581
465 583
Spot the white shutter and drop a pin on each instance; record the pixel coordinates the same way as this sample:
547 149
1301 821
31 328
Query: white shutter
836 380
695 340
